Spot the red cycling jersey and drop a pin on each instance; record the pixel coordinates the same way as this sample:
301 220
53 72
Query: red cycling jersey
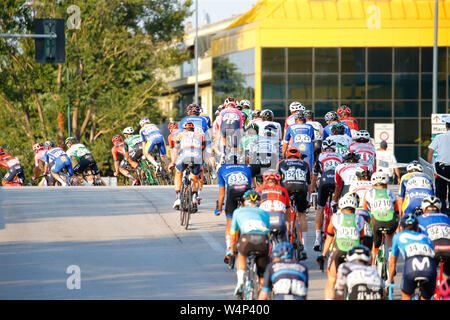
7 160
351 122
274 198
118 148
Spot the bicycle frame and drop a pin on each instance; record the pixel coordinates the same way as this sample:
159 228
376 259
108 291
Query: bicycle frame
251 283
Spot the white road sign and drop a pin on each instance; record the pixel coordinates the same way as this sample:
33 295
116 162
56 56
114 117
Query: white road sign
384 132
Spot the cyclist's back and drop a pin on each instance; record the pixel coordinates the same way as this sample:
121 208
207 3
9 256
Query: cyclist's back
414 187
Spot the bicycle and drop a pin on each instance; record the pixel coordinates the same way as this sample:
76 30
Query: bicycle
382 258
251 283
327 212
439 279
145 173
186 207
295 233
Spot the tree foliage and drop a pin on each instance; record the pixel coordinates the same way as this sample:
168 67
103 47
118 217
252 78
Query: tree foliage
111 78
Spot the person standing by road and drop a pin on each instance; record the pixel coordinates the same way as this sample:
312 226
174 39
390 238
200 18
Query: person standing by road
386 160
441 144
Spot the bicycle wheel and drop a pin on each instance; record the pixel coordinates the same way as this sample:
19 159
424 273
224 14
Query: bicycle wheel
251 289
182 205
297 242
188 208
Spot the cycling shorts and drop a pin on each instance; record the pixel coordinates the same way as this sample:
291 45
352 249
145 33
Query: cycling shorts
60 163
196 170
278 225
337 256
390 226
135 154
15 170
411 271
300 197
232 200
232 132
326 188
255 243
156 141
86 162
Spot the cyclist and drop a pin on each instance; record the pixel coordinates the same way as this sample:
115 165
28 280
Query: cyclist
345 175
249 137
294 107
346 229
436 226
255 117
380 202
415 186
120 166
332 118
318 131
82 159
132 147
39 157
247 110
356 279
302 135
342 140
267 123
275 200
365 149
285 277
152 137
296 177
234 180
344 113
360 187
173 130
418 253
254 225
14 167
231 123
56 160
189 148
325 167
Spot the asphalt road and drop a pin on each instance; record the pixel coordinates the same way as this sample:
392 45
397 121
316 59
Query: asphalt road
117 243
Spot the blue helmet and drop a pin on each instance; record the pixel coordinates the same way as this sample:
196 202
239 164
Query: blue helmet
283 250
409 219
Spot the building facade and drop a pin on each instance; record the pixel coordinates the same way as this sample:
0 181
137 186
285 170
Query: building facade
376 56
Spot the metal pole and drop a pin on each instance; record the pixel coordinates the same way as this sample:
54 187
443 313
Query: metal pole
196 51
435 58
68 101
51 35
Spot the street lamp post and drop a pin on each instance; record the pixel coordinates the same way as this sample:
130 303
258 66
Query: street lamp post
435 57
196 52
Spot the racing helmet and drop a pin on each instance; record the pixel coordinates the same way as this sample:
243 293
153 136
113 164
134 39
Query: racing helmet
251 195
300 115
362 135
331 116
70 140
379 178
245 103
2 151
117 138
338 129
431 201
409 220
359 253
48 144
309 114
38 146
128 130
283 250
172 125
230 102
344 109
271 175
267 115
293 152
349 200
193 109
296 106
363 172
256 114
353 156
189 126
144 121
414 166
329 144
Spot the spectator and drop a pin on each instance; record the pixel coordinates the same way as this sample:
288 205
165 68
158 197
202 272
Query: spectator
386 161
441 144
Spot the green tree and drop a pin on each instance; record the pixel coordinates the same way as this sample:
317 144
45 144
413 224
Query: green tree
114 62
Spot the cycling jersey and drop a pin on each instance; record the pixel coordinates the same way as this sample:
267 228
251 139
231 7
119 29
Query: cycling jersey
14 167
263 128
295 177
302 135
342 143
77 151
118 149
230 119
327 130
318 130
151 134
417 250
347 229
359 282
58 160
247 113
245 143
287 279
289 121
83 159
38 157
191 146
360 187
133 145
352 123
7 161
366 152
201 126
414 187
327 162
345 175
435 225
263 152
250 220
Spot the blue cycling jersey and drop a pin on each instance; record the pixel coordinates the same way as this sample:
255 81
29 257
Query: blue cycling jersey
237 176
327 130
414 187
150 132
200 122
302 135
53 154
410 244
250 220
435 225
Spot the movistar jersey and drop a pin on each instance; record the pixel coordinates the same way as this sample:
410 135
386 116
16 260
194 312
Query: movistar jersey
410 243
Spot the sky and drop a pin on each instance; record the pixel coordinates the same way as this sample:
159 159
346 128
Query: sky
219 9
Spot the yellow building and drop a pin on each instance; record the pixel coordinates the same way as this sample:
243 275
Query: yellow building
375 56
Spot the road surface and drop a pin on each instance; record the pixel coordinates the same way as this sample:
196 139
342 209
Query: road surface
116 243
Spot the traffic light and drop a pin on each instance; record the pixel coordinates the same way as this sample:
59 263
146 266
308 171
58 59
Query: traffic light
50 50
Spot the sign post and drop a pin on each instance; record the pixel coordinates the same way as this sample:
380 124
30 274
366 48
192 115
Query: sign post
384 132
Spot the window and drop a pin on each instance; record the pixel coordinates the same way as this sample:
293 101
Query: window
406 86
406 108
278 107
322 107
379 86
357 106
326 60
273 59
299 60
326 86
353 59
273 86
406 60
405 154
427 59
300 87
379 109
379 59
406 131
353 86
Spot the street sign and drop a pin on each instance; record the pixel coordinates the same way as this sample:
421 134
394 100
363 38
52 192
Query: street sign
438 123
50 50
384 132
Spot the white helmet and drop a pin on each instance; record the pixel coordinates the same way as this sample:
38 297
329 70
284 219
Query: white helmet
245 103
296 106
379 178
349 200
414 166
128 130
144 121
362 134
431 201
